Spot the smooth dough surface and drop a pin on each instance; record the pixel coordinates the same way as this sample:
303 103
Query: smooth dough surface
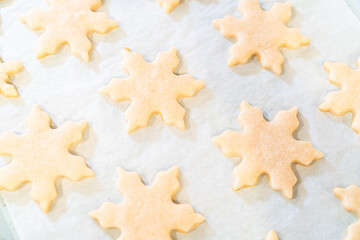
148 212
348 98
266 148
260 33
41 156
152 88
68 22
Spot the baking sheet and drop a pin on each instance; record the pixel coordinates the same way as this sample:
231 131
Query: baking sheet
66 87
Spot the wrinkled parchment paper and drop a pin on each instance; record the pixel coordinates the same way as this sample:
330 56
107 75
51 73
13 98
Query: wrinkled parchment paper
66 87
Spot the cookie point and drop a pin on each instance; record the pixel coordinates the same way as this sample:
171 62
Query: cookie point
83 124
120 171
318 155
199 219
45 206
244 104
129 128
215 140
294 110
327 66
125 51
88 172
324 107
35 107
216 23
174 171
236 186
104 90
113 24
339 192
22 18
181 124
288 194
11 92
200 84
232 62
93 214
271 235
173 49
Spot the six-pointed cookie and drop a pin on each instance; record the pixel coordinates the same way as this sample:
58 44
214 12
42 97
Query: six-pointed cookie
261 33
266 148
152 88
148 212
41 156
68 22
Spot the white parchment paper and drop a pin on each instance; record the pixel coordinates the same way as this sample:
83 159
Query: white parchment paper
66 88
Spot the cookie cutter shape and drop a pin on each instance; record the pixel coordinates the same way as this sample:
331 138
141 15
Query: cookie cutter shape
260 33
152 88
348 98
168 5
68 22
148 212
350 200
266 148
41 156
7 69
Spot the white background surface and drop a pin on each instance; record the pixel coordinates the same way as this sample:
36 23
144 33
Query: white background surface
66 87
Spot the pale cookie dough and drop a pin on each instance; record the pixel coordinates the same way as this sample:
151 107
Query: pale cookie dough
7 69
260 33
266 148
168 5
41 156
68 22
152 88
271 235
350 199
348 98
148 212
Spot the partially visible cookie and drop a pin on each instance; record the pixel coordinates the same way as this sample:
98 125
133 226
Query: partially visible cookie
350 199
266 148
260 33
148 212
348 98
168 5
7 69
68 22
152 88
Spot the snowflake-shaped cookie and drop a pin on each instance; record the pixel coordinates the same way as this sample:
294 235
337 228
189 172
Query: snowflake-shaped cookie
260 33
168 5
350 199
68 22
348 98
266 148
7 69
148 212
271 235
41 156
152 88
